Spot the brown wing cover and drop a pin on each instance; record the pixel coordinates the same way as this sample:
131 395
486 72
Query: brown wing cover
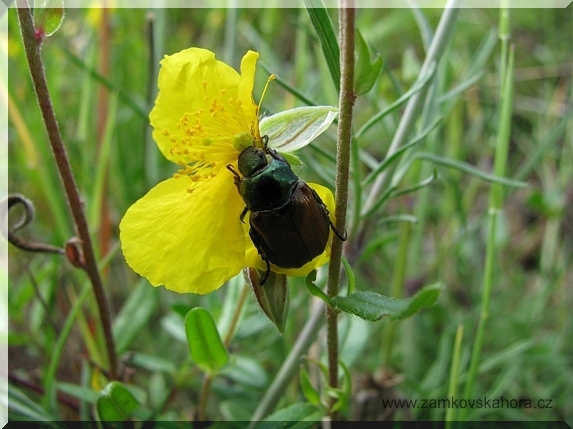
294 234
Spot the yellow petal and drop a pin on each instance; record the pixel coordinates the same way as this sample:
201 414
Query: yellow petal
198 107
254 260
188 242
246 85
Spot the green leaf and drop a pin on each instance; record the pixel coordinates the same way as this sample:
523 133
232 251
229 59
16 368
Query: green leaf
115 402
84 393
470 169
372 306
152 363
394 156
431 179
205 346
26 408
314 289
297 416
366 72
293 129
48 16
310 393
236 409
273 297
417 87
323 26
425 297
398 218
134 315
246 371
349 275
550 204
294 161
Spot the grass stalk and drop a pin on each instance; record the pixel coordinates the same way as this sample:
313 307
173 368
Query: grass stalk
454 373
438 46
495 202
399 273
290 366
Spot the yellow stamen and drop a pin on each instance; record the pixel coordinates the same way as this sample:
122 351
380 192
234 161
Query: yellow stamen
271 77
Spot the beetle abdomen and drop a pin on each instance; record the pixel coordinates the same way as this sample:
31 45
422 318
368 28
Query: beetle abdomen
294 234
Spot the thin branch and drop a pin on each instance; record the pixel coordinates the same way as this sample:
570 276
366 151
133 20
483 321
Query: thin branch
28 216
32 46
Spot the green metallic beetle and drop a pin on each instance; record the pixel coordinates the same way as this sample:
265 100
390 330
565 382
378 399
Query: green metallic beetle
289 222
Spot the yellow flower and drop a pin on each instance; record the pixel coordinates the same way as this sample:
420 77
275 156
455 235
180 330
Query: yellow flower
186 232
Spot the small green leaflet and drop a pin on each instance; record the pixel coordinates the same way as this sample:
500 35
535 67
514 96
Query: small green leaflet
293 129
48 16
372 306
115 402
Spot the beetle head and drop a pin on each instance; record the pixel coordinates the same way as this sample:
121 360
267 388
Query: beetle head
252 160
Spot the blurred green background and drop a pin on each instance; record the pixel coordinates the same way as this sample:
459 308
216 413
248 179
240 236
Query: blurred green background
101 68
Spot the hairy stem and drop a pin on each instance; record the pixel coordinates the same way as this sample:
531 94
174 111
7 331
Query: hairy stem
32 46
346 102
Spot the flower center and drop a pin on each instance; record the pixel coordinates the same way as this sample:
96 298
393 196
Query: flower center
212 136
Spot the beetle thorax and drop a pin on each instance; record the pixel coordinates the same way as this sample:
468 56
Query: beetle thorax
269 187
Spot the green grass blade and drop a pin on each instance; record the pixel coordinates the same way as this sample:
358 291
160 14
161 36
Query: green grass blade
557 132
288 87
134 315
454 373
417 87
323 26
27 408
49 399
394 156
135 103
471 170
102 165
431 179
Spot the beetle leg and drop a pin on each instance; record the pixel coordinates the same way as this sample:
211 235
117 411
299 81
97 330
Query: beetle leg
255 238
343 236
237 178
265 275
243 214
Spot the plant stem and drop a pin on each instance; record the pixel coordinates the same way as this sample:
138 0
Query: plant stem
346 103
32 47
496 198
290 365
397 289
454 373
236 315
207 379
